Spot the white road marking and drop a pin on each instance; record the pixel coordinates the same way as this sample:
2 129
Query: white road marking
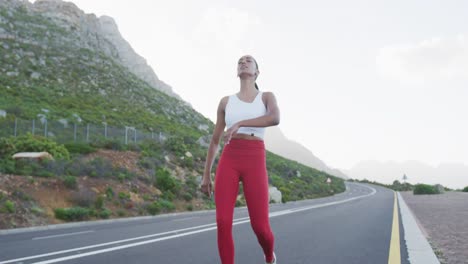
63 235
209 227
183 219
112 243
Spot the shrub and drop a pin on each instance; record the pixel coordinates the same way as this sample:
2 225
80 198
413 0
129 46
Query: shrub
72 214
109 193
176 145
106 213
424 189
37 210
165 182
79 148
110 144
187 197
153 208
7 166
167 206
121 213
70 182
100 167
124 196
30 143
7 148
465 189
99 203
189 207
10 206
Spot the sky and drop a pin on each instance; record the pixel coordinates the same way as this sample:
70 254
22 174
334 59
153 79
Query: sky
354 80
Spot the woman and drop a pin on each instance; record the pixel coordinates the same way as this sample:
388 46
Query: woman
245 114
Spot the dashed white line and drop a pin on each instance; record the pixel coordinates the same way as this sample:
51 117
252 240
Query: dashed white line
205 228
63 235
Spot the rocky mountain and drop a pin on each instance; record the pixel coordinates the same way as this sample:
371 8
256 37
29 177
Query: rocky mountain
54 56
453 175
87 32
276 142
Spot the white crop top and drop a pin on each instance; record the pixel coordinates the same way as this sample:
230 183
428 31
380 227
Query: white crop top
238 110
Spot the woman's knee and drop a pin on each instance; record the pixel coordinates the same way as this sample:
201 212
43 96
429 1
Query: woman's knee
224 223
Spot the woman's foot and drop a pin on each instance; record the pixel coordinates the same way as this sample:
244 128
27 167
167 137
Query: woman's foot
274 259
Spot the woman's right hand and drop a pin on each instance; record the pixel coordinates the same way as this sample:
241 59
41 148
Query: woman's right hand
206 186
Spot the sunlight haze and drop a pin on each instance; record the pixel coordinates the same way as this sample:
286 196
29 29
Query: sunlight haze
355 80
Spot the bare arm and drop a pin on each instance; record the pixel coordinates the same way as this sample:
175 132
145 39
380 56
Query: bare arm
213 148
271 118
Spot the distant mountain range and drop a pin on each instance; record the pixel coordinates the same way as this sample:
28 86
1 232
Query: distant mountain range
276 142
452 175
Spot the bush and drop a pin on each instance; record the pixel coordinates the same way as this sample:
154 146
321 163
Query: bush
187 197
10 206
104 214
112 144
124 196
167 206
176 145
30 143
72 214
7 148
70 182
465 189
7 166
153 208
79 148
109 193
165 182
424 189
99 203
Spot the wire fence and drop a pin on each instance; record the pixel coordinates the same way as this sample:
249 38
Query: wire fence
65 132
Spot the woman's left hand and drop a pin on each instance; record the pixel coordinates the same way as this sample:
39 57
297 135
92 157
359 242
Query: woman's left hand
231 131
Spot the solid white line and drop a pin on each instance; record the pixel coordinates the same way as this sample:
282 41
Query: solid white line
111 243
63 235
183 219
419 249
236 222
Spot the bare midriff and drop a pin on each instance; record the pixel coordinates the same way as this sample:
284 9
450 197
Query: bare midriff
245 136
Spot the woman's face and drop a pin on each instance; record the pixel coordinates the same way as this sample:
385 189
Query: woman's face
246 66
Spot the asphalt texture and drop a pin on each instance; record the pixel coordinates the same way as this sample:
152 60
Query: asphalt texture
350 227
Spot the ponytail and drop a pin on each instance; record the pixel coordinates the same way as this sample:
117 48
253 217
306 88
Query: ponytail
256 86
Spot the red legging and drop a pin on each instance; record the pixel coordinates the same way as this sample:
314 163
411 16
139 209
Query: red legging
242 160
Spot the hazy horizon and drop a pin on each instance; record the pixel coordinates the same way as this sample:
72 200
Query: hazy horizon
367 80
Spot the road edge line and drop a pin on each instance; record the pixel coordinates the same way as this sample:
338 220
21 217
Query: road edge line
419 249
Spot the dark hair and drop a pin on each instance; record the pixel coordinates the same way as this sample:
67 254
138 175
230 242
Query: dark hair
256 64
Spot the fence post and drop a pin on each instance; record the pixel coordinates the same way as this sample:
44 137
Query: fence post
135 136
74 132
105 130
126 129
87 132
16 125
33 126
45 128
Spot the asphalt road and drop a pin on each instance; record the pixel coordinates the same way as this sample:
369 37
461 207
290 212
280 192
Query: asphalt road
351 227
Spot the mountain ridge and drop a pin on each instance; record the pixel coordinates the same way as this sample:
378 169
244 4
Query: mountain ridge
453 175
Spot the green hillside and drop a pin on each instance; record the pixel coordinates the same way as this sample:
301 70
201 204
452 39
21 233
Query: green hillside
45 65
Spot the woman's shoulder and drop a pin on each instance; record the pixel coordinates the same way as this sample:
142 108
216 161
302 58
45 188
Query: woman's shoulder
224 100
267 94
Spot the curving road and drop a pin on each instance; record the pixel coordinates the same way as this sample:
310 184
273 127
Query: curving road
351 227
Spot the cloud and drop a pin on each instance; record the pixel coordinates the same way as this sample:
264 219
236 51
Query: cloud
437 59
224 29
